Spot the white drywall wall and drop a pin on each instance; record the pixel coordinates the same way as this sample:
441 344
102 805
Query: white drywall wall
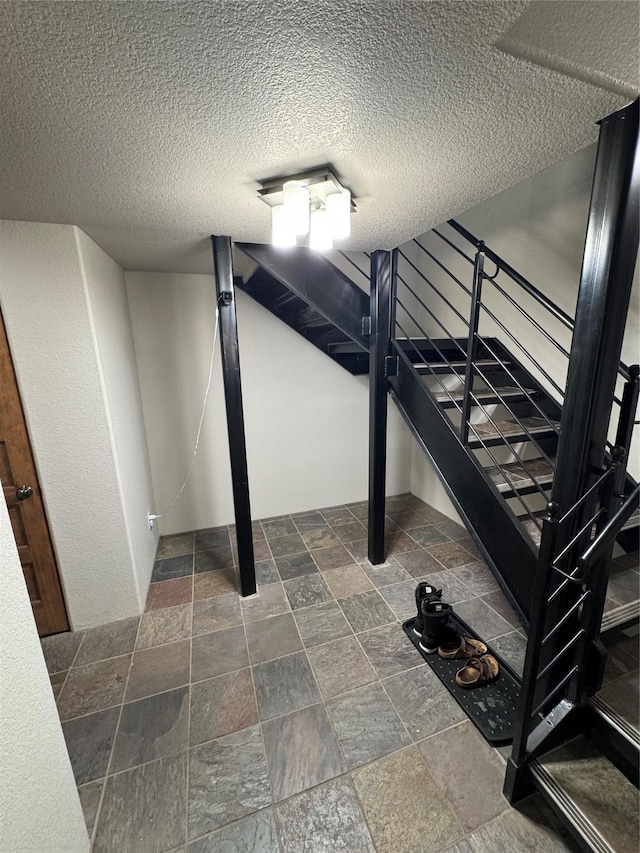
39 804
64 380
109 316
306 418
538 226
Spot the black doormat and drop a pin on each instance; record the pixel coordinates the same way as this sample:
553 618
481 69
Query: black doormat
491 707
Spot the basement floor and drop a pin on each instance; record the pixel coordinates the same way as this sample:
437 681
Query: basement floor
298 721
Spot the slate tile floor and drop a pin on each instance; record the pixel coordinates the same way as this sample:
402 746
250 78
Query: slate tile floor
298 721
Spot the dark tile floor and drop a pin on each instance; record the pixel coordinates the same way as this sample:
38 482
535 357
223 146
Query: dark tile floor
301 720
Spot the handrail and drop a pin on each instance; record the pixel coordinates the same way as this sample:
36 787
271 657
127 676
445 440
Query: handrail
555 310
354 264
478 436
611 529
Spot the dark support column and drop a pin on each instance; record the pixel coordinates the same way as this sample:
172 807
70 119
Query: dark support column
610 252
378 351
235 418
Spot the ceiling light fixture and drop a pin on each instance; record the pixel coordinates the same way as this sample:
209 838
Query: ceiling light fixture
312 203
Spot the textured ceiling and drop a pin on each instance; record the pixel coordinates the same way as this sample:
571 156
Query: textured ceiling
600 47
148 123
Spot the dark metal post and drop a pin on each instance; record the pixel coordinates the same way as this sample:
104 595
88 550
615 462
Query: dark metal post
472 341
590 675
515 787
628 409
610 252
603 300
537 629
235 418
379 349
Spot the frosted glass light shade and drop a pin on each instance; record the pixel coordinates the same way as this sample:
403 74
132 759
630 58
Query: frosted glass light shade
320 233
282 232
296 205
338 207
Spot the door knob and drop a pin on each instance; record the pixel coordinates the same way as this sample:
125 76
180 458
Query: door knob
23 492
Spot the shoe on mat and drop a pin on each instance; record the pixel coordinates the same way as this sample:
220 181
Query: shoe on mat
478 671
438 627
424 592
465 647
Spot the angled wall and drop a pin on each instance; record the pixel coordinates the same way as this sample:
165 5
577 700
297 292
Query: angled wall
67 322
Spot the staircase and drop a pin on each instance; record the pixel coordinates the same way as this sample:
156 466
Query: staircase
498 471
526 415
313 297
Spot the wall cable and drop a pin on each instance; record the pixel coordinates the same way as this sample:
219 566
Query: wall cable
204 407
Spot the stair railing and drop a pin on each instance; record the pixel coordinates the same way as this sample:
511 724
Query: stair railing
585 514
473 334
403 334
554 311
467 313
556 675
354 266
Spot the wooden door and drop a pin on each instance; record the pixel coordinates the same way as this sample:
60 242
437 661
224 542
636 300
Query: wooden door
24 501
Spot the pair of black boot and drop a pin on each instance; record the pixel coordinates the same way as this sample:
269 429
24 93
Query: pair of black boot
433 621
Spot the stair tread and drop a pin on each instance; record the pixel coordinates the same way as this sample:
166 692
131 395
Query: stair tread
632 521
480 362
532 529
510 428
519 476
508 391
599 790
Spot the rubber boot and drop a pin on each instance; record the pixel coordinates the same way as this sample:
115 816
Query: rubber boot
424 592
438 627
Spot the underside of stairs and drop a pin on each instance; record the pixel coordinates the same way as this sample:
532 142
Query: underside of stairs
527 416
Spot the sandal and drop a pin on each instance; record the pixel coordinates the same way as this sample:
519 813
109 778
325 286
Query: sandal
478 671
465 647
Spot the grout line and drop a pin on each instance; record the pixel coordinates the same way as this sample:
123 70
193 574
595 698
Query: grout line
231 825
138 766
96 822
386 692
259 724
188 759
323 701
304 649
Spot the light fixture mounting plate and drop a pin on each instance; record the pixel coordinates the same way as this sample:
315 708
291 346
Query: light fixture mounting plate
320 181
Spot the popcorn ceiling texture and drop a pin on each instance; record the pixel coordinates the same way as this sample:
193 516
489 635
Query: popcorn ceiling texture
148 124
600 47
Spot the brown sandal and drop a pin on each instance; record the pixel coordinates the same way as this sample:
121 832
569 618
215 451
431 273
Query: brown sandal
478 671
466 647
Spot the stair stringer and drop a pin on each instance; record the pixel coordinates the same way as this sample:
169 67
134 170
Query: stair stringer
318 283
509 552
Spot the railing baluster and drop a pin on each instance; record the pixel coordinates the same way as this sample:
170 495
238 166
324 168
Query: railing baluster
537 632
472 341
628 409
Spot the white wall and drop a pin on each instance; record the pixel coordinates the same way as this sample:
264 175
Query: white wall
306 418
66 369
111 324
39 804
539 227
